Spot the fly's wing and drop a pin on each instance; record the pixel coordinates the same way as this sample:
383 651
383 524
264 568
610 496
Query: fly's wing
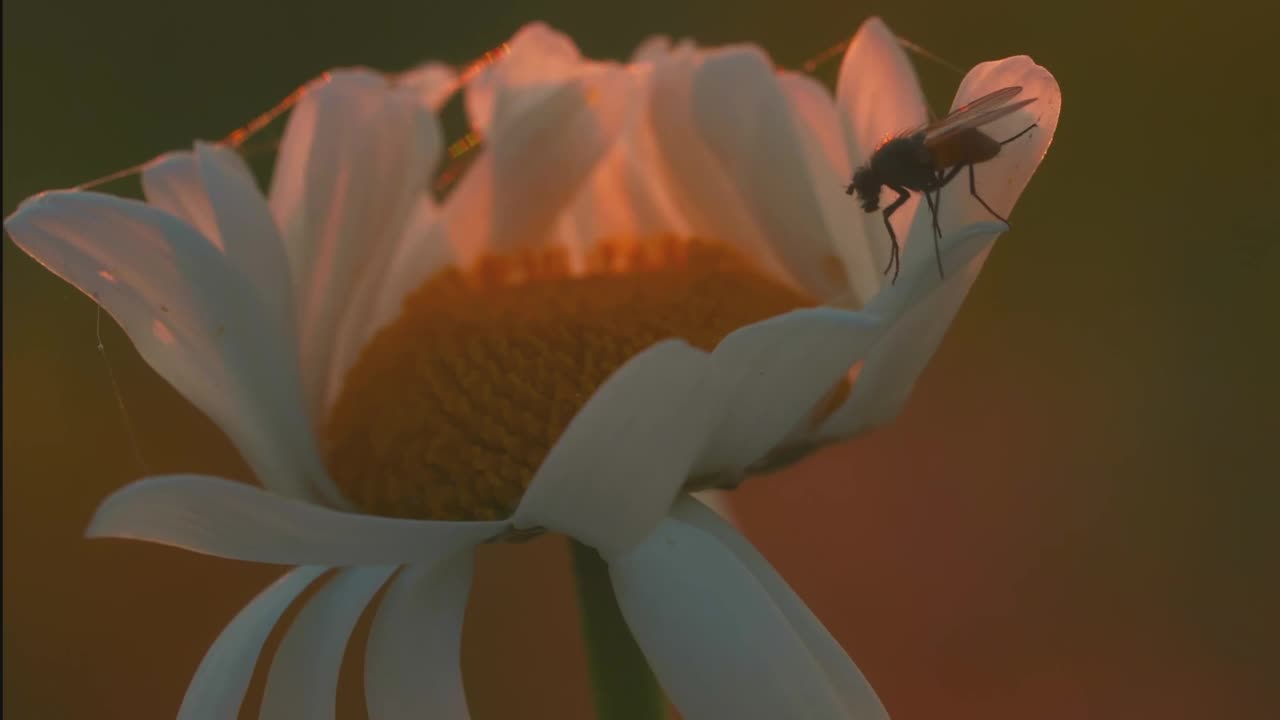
984 110
991 100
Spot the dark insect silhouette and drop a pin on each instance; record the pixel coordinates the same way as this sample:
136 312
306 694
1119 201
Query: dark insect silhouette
925 159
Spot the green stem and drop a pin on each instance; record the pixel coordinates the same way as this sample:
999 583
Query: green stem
621 681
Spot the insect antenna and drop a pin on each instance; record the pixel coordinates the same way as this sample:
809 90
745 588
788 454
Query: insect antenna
837 51
237 138
812 64
925 53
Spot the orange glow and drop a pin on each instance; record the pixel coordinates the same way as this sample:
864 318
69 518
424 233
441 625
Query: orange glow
106 275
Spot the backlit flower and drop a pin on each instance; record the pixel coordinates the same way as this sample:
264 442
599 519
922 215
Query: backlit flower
649 282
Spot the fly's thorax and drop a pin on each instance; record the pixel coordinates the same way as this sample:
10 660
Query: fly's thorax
904 161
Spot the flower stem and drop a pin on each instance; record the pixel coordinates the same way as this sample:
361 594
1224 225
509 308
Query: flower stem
621 681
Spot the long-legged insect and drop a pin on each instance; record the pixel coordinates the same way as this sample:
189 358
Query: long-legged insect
926 159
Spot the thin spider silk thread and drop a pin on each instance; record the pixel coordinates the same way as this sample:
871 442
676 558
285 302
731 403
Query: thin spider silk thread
129 428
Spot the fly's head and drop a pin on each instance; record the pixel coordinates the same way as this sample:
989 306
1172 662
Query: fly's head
866 185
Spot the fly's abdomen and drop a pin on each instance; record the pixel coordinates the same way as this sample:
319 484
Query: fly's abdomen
964 147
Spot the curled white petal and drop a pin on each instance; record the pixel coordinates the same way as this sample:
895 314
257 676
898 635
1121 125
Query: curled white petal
858 696
717 642
233 520
920 306
1000 181
779 369
917 311
620 463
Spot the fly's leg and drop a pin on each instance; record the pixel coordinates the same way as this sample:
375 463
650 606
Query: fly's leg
894 261
973 182
945 178
937 231
1015 137
936 207
973 190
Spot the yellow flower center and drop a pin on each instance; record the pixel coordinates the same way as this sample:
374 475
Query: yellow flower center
452 407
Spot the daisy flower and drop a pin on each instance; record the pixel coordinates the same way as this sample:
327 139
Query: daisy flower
648 283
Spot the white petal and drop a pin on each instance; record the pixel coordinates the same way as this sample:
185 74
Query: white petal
918 310
433 82
217 690
717 642
233 520
413 667
303 680
538 60
877 92
193 317
920 306
858 696
816 109
355 158
172 183
819 128
877 95
215 191
1001 180
700 188
626 195
651 49
615 471
779 370
422 252
250 239
508 198
743 116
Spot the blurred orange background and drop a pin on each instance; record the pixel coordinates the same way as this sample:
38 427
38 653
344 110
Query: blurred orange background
1076 516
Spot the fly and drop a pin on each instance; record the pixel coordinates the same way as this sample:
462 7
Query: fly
926 159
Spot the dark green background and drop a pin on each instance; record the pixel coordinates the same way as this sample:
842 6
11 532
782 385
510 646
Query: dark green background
1075 517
